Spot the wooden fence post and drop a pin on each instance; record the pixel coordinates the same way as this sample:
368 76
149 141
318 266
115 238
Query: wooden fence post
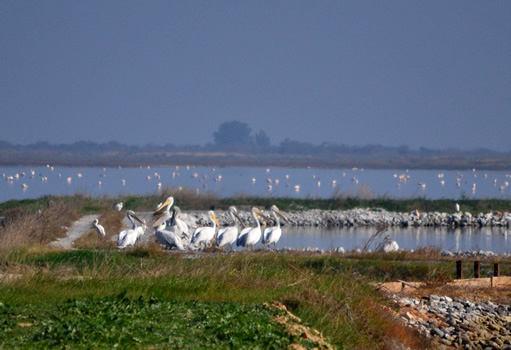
496 270
477 269
459 270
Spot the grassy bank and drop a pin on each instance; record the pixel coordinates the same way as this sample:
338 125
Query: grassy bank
189 200
329 293
144 298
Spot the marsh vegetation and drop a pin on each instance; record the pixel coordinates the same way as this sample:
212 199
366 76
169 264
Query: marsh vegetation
96 296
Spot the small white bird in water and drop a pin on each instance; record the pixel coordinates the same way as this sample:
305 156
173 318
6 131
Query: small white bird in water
99 228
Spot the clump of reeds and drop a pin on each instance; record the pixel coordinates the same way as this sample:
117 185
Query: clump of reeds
23 228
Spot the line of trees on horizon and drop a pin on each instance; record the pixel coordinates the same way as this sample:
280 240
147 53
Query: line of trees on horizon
235 136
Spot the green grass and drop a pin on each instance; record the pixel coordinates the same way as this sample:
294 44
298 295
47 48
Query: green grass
120 322
330 293
62 298
189 200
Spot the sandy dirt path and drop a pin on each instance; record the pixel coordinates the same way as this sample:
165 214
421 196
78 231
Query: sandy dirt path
77 230
84 225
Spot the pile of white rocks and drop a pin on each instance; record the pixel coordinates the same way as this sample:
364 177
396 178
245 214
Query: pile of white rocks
373 217
458 322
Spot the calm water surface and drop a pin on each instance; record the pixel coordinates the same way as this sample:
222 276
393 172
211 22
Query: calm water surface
492 239
34 182
27 182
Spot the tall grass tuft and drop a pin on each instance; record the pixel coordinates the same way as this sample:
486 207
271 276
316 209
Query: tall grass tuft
36 228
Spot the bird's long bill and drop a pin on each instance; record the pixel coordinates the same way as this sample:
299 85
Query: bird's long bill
138 219
239 219
282 216
158 221
258 213
167 202
213 217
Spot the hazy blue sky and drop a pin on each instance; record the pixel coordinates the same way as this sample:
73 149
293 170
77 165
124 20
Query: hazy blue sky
422 73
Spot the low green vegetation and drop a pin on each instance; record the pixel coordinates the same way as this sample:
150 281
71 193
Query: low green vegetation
98 297
190 200
120 322
85 298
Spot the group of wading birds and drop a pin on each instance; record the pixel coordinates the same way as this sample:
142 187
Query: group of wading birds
173 233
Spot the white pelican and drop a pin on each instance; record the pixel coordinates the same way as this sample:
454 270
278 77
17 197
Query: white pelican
118 206
228 235
181 225
249 236
168 236
205 234
272 234
389 245
129 237
99 228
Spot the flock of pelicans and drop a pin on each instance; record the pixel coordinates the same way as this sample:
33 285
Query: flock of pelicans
173 233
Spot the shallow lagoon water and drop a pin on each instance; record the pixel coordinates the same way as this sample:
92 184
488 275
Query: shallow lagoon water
493 239
313 183
34 182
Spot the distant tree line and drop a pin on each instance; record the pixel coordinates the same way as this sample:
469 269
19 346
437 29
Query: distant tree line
235 143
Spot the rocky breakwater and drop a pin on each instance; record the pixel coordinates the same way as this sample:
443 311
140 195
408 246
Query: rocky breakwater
458 322
369 217
373 217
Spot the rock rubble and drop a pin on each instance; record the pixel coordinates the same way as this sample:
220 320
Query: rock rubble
457 322
374 217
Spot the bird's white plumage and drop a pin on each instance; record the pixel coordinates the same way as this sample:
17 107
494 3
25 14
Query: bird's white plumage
169 238
180 226
118 206
273 234
129 237
204 235
99 228
249 236
228 235
389 245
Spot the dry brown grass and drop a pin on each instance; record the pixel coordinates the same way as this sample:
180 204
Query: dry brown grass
111 220
29 229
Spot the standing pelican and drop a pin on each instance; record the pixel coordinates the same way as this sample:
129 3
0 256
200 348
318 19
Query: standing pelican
205 234
118 206
457 207
99 228
181 225
249 236
272 234
129 237
228 235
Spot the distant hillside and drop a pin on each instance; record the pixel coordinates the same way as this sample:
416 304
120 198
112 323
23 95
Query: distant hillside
288 153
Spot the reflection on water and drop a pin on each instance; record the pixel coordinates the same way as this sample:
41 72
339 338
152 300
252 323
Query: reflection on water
460 239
